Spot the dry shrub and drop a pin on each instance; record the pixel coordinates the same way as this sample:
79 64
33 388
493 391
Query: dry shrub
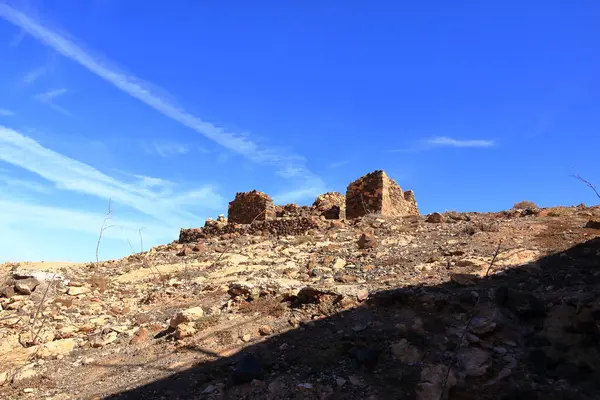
488 226
206 322
522 205
272 306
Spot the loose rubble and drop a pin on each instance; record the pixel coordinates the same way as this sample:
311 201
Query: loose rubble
318 303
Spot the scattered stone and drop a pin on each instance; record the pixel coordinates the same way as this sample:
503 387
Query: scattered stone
367 241
186 251
406 352
362 295
265 330
184 330
142 335
474 361
26 372
210 389
26 286
246 337
305 386
482 325
339 263
190 315
244 290
78 291
435 218
54 349
7 291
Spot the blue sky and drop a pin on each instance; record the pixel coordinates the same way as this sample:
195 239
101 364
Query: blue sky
171 108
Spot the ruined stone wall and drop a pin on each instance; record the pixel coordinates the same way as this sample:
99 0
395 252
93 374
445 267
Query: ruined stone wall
365 195
378 194
331 205
279 227
251 206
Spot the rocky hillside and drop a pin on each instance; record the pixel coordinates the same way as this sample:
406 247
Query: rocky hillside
302 303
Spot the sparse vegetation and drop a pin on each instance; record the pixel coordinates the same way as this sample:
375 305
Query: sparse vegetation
523 205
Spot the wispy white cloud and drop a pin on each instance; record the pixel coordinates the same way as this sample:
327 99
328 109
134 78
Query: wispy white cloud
5 112
445 141
69 174
50 96
149 95
32 76
18 184
166 148
69 234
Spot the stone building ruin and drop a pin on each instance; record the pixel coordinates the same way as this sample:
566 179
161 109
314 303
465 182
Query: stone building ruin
376 193
248 207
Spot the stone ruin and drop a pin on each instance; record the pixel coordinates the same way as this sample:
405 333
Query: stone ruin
331 205
248 207
255 213
376 193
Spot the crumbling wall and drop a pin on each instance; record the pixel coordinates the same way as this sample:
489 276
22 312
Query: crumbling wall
251 206
331 205
376 193
279 227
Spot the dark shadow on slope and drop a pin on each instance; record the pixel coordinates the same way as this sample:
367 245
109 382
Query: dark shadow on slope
534 333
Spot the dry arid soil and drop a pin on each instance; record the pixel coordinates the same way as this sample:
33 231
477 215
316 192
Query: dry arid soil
456 305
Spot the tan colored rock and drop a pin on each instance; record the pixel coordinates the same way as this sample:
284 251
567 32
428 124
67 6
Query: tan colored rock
78 290
406 352
367 241
248 207
7 291
24 373
142 335
265 330
190 315
376 193
435 218
54 349
338 264
26 286
186 251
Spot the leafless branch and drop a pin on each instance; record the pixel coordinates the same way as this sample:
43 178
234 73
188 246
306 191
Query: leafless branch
258 215
103 227
587 183
40 309
494 258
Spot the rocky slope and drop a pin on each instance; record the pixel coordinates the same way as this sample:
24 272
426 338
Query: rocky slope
460 306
